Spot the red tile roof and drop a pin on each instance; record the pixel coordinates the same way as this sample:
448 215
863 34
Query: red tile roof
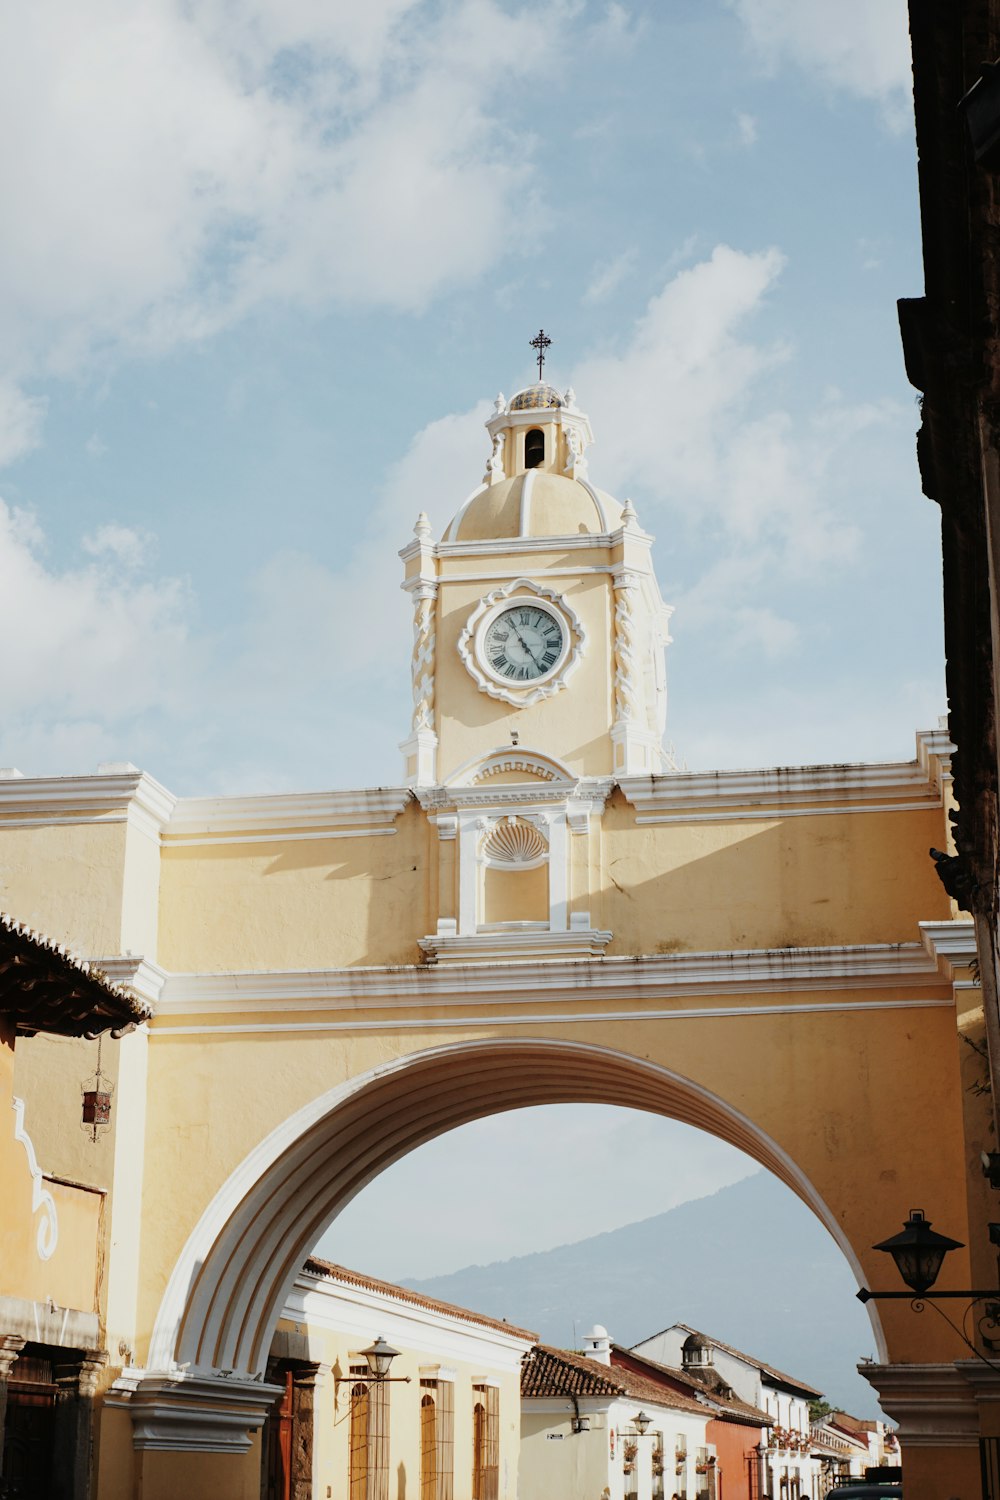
791 1381
331 1272
44 987
728 1408
559 1372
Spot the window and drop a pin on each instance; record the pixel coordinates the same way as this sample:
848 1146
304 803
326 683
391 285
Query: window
369 1474
437 1440
534 448
485 1442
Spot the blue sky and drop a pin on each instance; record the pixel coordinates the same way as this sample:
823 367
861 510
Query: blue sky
265 266
270 264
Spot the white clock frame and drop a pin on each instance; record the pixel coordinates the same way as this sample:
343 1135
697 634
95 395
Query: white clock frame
471 650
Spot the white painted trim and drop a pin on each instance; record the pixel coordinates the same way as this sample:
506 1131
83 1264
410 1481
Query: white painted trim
773 814
37 801
683 796
363 809
507 596
610 980
527 489
47 1237
231 1280
279 838
951 944
541 766
141 975
456 520
449 1332
599 503
576 541
554 1018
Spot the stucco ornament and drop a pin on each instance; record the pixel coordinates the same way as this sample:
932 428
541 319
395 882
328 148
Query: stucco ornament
514 842
48 1228
546 642
626 676
494 464
422 664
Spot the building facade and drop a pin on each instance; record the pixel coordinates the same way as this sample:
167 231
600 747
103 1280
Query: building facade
787 1466
543 910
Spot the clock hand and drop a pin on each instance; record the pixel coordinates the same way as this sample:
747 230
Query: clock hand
524 643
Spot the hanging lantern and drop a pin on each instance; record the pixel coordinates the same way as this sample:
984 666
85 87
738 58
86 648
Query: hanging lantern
97 1091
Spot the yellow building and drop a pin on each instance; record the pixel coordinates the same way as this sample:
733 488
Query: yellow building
53 1229
543 910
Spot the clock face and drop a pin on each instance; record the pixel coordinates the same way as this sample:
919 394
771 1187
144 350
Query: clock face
523 643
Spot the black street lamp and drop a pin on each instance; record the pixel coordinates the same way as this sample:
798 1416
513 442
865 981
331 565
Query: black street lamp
918 1252
379 1357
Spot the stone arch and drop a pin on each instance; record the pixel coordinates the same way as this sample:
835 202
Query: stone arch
225 1295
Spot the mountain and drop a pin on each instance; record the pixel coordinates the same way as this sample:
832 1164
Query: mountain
750 1265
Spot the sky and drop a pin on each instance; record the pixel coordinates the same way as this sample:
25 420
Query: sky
265 265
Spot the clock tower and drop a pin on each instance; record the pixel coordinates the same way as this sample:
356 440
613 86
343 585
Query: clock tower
538 675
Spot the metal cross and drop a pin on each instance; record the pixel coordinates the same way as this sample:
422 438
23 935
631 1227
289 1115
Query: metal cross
541 343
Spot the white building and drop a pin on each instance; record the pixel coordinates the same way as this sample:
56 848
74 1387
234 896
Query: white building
788 1468
445 1425
591 1430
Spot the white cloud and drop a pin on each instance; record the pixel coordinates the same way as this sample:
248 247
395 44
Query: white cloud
89 646
21 419
120 544
609 275
858 45
177 165
746 126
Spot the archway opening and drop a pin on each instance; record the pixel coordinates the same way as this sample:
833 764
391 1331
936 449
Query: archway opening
233 1278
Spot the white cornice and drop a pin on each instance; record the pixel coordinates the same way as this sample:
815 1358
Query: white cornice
951 944
647 987
328 1302
367 811
119 797
500 546
144 977
780 791
514 947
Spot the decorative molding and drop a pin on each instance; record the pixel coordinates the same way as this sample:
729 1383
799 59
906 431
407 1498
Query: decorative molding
782 791
650 985
47 1237
533 941
200 1412
627 705
10 1347
141 975
422 663
513 842
932 1405
951 944
285 816
108 797
480 769
471 648
453 1335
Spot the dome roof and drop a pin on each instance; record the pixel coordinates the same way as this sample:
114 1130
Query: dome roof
694 1341
535 504
535 396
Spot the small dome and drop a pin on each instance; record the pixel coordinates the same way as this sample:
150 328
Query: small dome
534 396
597 1332
534 504
694 1341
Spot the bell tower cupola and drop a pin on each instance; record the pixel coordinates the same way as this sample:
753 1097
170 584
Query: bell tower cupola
538 621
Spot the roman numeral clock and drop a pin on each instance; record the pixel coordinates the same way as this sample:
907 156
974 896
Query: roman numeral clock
521 643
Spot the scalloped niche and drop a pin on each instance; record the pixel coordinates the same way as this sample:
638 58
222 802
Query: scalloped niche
514 885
